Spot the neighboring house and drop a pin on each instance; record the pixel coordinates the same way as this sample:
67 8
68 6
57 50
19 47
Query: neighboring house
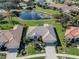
26 4
72 35
41 2
45 31
64 8
8 5
11 38
55 1
23 5
26 0
72 1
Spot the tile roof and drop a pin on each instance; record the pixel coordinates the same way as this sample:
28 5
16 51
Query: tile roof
46 31
72 32
64 7
12 36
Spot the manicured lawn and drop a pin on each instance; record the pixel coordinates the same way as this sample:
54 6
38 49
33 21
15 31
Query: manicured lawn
49 11
31 50
73 51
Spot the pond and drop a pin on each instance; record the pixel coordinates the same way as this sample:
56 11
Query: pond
33 15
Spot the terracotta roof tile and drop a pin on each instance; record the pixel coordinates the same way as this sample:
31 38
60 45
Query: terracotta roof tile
72 32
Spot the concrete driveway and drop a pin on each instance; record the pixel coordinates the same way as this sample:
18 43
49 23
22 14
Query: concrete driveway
50 52
11 55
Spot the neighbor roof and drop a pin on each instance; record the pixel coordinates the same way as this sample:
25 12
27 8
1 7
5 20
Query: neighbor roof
72 32
11 37
46 31
64 7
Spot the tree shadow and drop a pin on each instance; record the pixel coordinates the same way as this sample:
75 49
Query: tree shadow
15 22
3 22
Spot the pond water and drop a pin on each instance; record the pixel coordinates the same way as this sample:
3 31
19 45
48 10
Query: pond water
33 15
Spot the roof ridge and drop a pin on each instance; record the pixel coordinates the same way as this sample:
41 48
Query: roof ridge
70 32
4 35
46 34
33 29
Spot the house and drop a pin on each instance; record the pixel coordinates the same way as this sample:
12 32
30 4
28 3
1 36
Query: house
72 35
26 4
26 0
45 31
55 1
23 5
11 38
41 2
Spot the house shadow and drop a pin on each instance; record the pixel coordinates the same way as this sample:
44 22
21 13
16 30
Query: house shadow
58 40
22 44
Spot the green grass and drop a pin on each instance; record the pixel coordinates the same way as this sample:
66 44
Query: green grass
31 50
2 56
48 11
39 58
72 50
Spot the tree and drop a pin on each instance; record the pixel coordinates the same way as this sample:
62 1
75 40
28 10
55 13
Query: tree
1 18
75 22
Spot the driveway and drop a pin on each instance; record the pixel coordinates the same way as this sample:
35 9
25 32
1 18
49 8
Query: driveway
11 55
50 52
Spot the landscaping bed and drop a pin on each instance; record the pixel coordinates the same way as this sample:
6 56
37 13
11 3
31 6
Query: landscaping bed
2 56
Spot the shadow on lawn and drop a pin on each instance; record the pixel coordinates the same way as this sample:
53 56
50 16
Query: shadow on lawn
58 40
22 44
3 22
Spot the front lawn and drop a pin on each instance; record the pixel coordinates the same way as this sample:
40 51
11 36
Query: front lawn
72 50
31 50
